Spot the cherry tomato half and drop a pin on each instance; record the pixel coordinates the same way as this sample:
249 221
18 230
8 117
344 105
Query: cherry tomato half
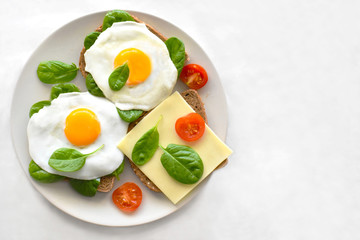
127 197
194 76
190 127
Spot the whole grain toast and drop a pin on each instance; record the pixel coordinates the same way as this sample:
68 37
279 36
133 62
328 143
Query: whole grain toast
194 100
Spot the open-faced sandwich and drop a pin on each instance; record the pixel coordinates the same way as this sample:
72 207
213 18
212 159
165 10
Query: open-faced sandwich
130 111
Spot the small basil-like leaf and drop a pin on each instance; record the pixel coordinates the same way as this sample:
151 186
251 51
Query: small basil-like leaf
90 39
145 148
52 72
86 188
118 171
129 115
68 159
92 87
41 175
176 50
118 77
57 89
115 16
37 106
182 163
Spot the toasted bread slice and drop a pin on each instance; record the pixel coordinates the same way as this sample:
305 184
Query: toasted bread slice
194 100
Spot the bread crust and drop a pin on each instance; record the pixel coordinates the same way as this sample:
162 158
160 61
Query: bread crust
193 98
106 183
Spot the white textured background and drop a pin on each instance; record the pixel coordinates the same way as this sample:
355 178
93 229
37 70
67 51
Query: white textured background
291 73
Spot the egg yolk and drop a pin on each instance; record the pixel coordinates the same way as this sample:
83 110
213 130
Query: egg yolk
139 65
82 127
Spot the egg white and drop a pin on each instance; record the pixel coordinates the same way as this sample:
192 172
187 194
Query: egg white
46 134
100 57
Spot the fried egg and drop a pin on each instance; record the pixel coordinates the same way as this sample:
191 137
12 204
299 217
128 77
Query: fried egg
152 73
79 121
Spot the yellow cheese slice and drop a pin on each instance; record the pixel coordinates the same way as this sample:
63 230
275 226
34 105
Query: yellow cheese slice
210 148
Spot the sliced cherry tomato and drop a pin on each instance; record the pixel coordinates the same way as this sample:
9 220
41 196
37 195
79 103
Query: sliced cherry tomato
194 76
190 127
127 197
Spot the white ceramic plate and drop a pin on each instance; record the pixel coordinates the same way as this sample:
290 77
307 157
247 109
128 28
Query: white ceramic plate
65 45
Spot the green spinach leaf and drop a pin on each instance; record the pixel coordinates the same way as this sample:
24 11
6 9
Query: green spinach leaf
145 148
68 159
57 89
37 106
118 171
176 50
41 175
115 16
129 115
92 87
118 77
182 163
86 188
90 39
52 72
